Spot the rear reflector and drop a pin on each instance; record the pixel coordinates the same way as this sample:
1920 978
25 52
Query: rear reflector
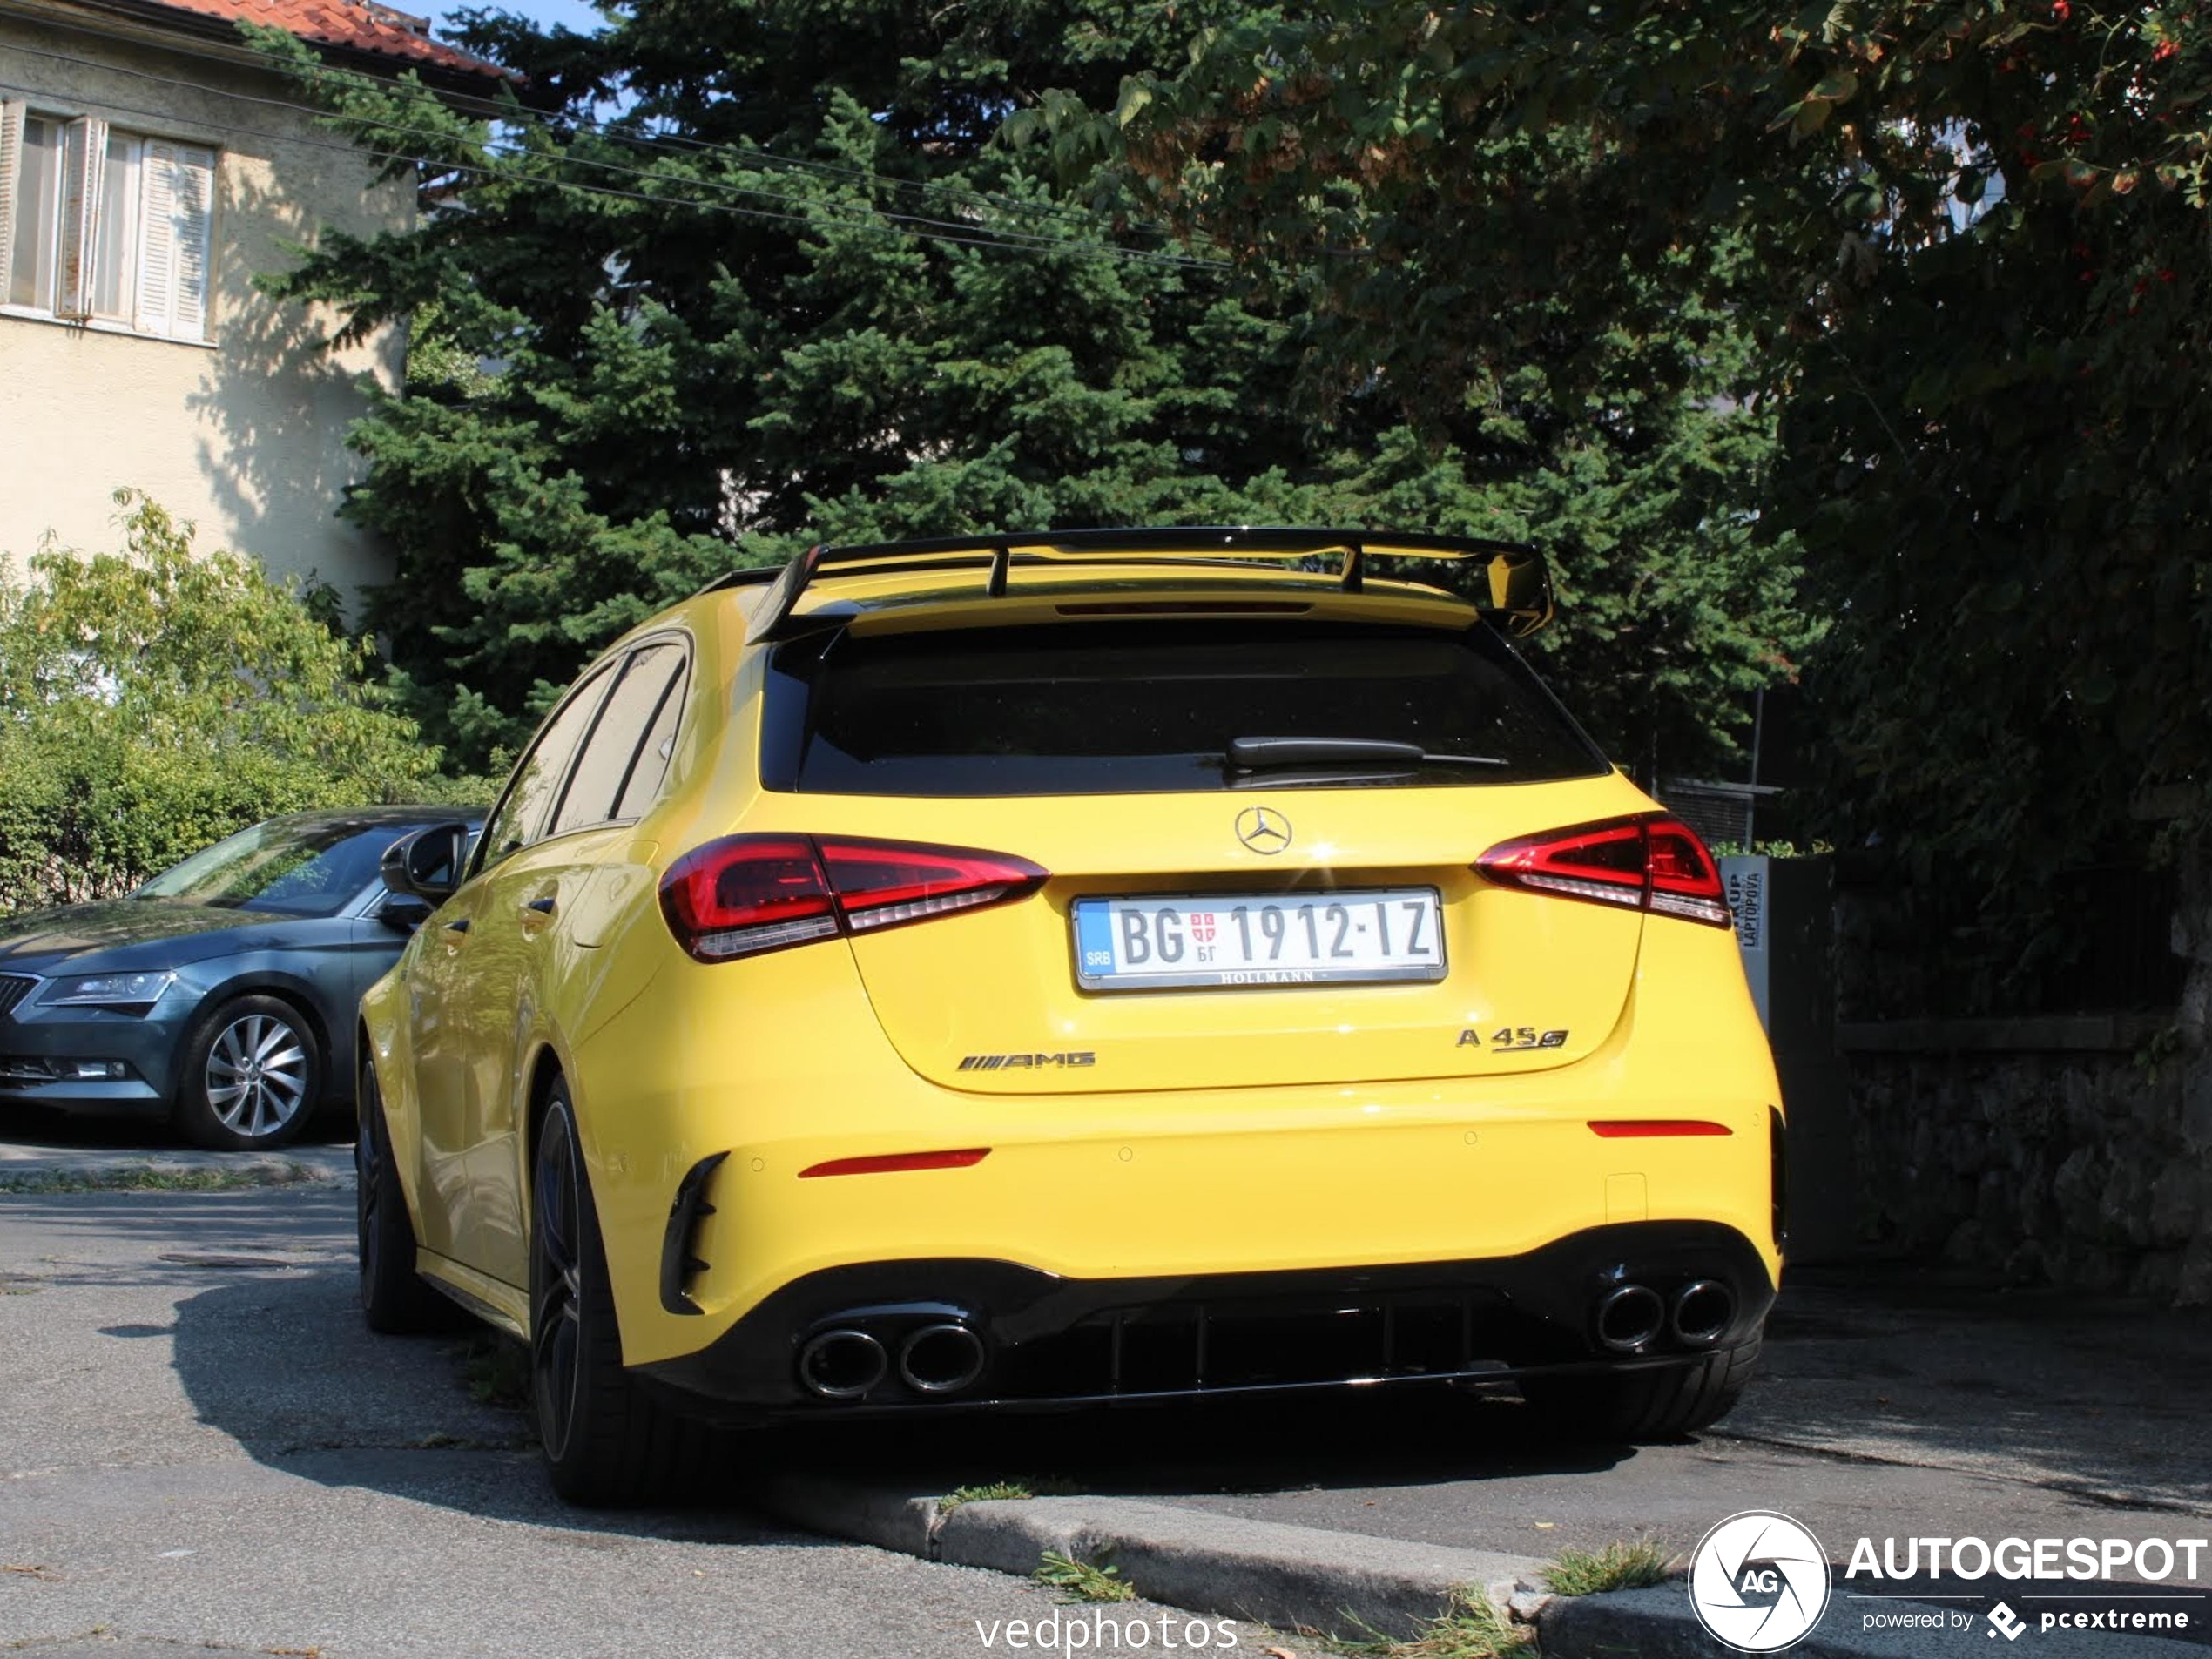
744 894
1649 862
1631 1129
890 1163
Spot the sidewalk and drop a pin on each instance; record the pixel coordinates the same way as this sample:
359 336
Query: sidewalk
45 1150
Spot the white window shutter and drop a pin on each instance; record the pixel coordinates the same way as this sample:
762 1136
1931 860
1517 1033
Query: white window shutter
176 239
84 159
10 171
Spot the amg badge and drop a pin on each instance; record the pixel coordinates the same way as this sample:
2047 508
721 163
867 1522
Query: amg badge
995 1061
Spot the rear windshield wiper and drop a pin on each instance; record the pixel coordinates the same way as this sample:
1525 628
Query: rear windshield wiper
1261 754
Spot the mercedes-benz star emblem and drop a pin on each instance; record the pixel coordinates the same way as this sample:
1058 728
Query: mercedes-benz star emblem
1262 829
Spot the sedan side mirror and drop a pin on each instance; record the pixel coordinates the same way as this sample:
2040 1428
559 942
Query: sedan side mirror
427 865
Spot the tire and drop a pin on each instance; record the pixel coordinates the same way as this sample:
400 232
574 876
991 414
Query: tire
395 1299
606 1441
1660 1404
251 1078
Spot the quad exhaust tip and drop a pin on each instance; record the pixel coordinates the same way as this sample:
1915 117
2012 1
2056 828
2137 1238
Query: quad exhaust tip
1702 1311
941 1359
1628 1316
842 1364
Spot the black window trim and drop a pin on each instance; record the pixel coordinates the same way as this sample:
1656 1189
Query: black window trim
621 662
597 671
679 686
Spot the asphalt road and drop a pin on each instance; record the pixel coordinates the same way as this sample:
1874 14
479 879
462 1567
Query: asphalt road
202 1445
1884 1407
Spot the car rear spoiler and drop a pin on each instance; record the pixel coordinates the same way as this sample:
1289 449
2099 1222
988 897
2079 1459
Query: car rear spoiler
1518 597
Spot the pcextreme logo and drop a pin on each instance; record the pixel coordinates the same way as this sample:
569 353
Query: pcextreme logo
1758 1581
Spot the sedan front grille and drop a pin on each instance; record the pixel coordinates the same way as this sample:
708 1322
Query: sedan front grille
13 988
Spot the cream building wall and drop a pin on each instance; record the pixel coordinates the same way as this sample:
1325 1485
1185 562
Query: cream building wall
244 435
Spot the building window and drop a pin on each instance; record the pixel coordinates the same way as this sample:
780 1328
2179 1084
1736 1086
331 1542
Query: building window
101 225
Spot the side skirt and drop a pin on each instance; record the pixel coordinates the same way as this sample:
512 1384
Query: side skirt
500 1306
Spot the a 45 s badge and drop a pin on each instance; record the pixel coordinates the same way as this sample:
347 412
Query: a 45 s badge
1507 1038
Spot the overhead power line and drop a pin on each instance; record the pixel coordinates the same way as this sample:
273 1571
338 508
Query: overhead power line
817 212
516 114
824 216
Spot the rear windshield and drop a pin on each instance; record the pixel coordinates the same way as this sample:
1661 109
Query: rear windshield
1108 708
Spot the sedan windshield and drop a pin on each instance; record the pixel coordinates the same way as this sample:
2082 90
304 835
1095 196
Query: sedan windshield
312 869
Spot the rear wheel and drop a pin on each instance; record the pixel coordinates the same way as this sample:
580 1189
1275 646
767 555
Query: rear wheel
251 1075
606 1441
1653 1405
394 1298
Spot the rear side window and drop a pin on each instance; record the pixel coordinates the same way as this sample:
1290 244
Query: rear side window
517 821
1086 709
604 768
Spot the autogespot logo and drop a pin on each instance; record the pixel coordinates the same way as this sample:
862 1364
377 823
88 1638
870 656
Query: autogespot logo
1758 1581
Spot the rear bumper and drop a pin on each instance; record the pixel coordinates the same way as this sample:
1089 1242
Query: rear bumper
1048 1340
1133 1192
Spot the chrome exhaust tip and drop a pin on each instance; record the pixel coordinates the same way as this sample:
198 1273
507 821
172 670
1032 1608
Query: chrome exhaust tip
1629 1317
842 1364
1702 1311
941 1359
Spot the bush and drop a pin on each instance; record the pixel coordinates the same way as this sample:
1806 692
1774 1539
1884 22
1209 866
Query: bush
153 701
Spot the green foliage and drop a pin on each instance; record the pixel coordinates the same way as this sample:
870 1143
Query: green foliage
1082 1581
1471 1626
1969 243
153 701
1618 1566
623 379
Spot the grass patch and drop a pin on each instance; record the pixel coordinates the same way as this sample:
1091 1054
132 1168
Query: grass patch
1616 1567
495 1370
989 1492
1050 1486
1471 1628
1083 1580
147 1178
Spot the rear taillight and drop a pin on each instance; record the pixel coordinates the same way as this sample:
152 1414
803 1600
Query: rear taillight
1651 862
744 894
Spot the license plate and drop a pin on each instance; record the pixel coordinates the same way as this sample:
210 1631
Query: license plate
1259 940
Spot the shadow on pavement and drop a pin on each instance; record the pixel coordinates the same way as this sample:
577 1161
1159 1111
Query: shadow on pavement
127 1129
2096 1402
2099 1397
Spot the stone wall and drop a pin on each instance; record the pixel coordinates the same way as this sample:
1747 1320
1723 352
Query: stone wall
2073 1150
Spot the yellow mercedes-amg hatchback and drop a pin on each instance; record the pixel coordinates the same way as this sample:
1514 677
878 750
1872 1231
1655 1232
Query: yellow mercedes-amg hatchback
1072 968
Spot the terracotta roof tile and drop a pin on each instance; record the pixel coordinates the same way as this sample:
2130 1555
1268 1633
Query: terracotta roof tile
359 25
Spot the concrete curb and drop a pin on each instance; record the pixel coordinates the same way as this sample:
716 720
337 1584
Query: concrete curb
1288 1577
21 1164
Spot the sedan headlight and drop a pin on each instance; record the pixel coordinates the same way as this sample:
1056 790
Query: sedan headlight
108 990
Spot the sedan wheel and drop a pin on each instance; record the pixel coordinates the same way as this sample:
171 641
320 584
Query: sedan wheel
250 1078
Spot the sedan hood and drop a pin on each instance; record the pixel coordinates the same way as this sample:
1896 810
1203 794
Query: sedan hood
127 935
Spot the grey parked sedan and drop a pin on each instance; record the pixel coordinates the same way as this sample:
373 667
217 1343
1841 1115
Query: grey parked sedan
222 992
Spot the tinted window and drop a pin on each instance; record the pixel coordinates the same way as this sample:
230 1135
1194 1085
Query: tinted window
612 746
650 767
1101 708
301 869
522 813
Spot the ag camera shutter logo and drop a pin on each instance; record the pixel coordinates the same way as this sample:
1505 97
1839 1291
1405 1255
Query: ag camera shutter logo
1758 1581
